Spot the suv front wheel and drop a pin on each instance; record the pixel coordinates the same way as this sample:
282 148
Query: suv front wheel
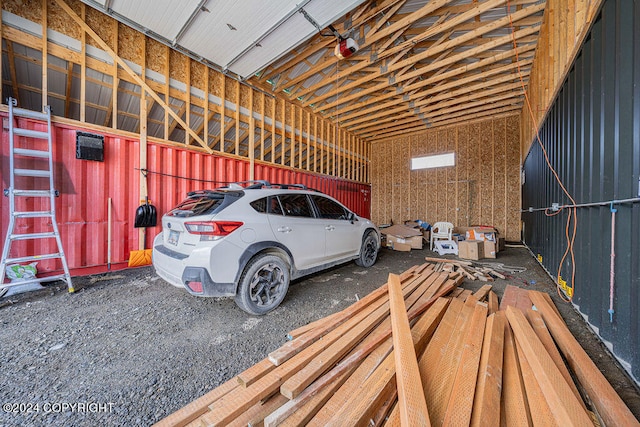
263 285
368 251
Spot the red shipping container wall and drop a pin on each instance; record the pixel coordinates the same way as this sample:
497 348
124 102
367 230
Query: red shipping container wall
85 187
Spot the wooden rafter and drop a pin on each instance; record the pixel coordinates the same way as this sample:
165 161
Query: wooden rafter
145 87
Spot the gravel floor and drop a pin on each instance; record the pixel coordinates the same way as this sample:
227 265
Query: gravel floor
129 349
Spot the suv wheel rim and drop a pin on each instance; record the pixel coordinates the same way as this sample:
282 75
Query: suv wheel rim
369 251
267 284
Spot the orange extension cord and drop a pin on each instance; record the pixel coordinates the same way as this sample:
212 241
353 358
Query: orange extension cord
573 210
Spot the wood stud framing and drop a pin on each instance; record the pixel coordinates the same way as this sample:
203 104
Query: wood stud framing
279 136
406 77
406 57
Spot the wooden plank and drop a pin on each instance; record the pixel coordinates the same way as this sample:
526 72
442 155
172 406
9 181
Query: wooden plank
509 297
291 348
458 412
451 261
255 372
255 415
607 402
413 407
464 294
456 292
439 364
300 411
536 322
193 410
538 407
486 405
482 292
364 400
514 408
564 406
293 386
421 333
493 302
240 399
334 351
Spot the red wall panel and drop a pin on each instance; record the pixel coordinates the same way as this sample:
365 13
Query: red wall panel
85 187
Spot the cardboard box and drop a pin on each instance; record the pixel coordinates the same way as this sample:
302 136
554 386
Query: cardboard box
402 247
401 231
471 249
490 249
396 242
415 242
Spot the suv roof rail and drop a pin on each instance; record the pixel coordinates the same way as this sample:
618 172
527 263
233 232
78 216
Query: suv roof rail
261 183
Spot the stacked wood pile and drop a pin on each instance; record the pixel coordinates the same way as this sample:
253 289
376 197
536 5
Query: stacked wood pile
419 351
466 269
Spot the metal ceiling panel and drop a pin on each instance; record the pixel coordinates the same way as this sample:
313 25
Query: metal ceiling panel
231 27
243 36
163 17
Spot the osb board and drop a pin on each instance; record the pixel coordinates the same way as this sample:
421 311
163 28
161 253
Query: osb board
58 20
462 170
441 180
486 172
415 189
473 164
513 192
198 74
178 66
245 95
483 187
131 43
156 56
499 174
215 83
430 181
28 9
452 184
257 101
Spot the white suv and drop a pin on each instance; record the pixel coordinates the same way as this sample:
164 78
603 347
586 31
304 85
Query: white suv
250 241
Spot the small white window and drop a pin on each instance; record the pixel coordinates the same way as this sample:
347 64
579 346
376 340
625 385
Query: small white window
436 161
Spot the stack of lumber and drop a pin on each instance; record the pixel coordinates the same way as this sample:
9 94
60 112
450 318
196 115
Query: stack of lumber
466 269
418 351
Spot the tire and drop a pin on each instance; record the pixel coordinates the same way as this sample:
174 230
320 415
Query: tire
368 251
263 285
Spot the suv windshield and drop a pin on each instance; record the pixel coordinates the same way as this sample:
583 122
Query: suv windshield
205 202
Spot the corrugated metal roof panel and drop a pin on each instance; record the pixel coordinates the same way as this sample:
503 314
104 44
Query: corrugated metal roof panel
164 17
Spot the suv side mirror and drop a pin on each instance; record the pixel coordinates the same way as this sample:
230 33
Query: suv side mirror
351 217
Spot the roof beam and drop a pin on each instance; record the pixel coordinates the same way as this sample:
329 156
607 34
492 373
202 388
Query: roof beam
453 43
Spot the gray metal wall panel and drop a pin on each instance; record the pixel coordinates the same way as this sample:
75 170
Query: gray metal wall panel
592 136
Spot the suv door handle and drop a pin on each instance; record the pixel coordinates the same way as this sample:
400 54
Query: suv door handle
329 228
284 229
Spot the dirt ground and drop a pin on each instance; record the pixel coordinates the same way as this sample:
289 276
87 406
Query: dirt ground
128 349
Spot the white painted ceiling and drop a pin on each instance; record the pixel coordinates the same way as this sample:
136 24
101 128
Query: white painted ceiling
241 36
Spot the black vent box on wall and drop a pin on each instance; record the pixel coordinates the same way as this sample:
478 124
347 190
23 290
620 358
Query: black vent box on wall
89 146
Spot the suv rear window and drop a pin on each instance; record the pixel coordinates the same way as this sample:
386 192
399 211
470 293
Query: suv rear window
205 202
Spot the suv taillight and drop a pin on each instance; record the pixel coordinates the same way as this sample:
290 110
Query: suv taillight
212 228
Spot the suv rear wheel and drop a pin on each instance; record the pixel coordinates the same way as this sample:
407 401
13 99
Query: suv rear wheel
368 251
263 285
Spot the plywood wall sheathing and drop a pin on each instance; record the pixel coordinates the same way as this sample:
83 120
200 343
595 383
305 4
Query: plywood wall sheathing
482 189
